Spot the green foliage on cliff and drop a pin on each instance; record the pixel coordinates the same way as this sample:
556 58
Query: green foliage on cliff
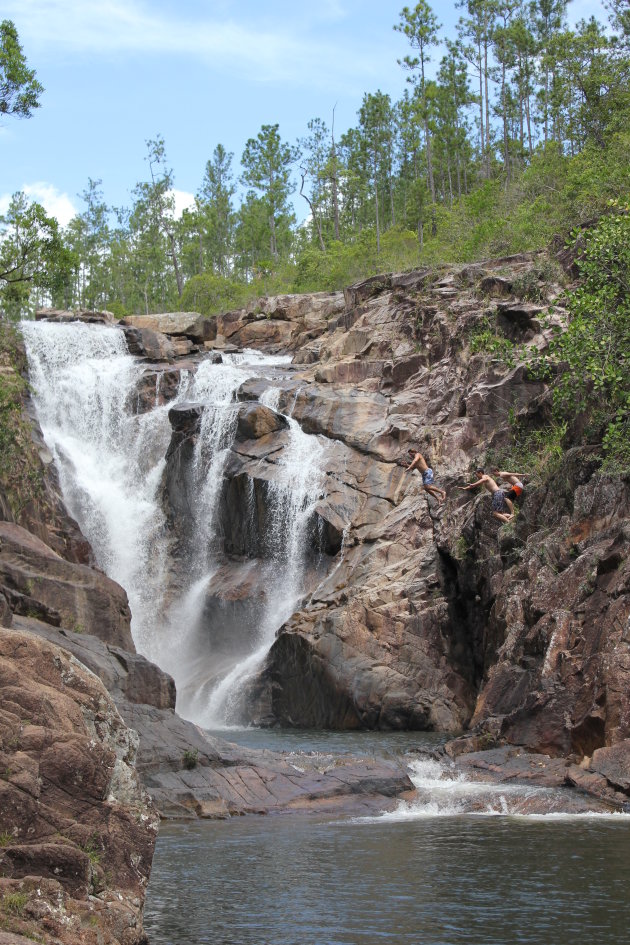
595 348
20 474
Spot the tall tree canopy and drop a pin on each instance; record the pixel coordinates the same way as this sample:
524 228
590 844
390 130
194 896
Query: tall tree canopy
19 89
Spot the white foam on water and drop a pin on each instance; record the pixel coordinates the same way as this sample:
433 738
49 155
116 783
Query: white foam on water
443 792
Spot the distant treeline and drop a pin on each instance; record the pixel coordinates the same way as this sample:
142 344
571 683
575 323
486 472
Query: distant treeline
522 133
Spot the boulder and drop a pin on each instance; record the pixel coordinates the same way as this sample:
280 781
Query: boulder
79 824
190 324
256 420
146 343
614 764
37 582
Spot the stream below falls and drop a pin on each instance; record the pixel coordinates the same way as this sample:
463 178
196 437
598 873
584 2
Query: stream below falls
460 865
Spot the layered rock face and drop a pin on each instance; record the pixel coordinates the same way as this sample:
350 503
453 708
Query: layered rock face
427 617
77 828
435 617
377 645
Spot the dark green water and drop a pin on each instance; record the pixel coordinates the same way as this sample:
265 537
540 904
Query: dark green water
427 874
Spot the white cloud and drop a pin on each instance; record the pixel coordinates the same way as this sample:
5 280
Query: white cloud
55 203
183 201
102 27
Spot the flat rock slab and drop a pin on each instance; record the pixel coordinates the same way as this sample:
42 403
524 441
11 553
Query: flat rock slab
225 779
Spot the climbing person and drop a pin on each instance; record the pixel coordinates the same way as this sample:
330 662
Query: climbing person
502 508
428 480
515 480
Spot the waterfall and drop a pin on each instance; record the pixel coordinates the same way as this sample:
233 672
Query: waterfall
111 460
292 497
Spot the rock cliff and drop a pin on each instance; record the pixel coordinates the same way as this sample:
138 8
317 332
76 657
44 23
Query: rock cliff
436 617
77 829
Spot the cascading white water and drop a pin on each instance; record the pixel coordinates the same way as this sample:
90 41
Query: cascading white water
110 462
291 497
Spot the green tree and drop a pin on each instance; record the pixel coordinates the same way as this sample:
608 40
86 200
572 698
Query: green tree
88 234
314 169
421 26
216 214
33 259
267 164
376 125
19 89
595 348
154 234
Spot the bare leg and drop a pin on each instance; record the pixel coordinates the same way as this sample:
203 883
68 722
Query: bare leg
503 516
438 494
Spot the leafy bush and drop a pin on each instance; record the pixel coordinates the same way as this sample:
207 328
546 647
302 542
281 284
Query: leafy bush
485 338
209 294
595 348
190 758
20 472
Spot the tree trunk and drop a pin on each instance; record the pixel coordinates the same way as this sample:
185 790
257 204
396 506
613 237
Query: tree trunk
178 275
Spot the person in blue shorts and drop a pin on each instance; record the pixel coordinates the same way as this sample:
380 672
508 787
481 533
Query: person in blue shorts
428 479
502 508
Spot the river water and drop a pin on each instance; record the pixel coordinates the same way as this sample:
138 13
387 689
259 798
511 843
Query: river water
426 873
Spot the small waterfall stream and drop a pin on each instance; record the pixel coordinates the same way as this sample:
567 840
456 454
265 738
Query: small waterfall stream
291 498
111 462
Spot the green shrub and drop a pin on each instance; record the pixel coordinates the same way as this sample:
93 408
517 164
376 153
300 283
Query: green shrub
13 903
209 294
594 351
190 758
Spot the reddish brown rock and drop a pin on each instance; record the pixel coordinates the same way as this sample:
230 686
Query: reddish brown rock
81 828
37 582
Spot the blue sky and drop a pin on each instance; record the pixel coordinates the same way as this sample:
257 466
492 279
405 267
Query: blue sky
198 72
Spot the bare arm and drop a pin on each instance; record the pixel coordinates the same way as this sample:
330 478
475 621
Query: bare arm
414 463
506 475
473 485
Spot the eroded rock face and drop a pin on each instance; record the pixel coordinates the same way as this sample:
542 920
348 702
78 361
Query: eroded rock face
191 774
36 581
421 617
387 640
559 617
80 827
